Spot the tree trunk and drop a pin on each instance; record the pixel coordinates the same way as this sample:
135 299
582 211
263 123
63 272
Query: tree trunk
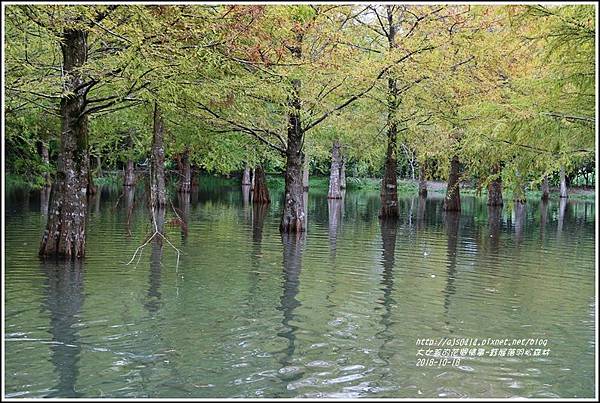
545 189
452 199
335 191
129 175
98 167
185 172
246 176
422 180
293 218
305 173
261 191
389 184
343 174
563 183
64 236
495 187
158 196
45 156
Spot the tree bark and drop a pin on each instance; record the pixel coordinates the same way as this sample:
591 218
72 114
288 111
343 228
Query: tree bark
261 191
563 183
422 180
129 175
335 191
452 199
45 156
305 173
64 236
293 217
246 176
343 174
185 172
158 196
495 187
389 184
545 189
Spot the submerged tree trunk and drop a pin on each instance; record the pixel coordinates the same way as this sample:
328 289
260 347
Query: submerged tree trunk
452 199
185 172
545 188
246 176
261 191
563 183
495 188
335 191
305 173
158 196
129 175
389 184
64 236
422 180
293 218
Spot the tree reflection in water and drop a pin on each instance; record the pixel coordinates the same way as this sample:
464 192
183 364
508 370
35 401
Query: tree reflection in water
64 300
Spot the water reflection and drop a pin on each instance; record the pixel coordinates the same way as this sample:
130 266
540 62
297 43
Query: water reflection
494 224
45 200
452 222
129 194
562 210
64 300
153 296
293 245
259 213
246 195
520 213
335 219
389 230
421 207
543 217
341 332
184 213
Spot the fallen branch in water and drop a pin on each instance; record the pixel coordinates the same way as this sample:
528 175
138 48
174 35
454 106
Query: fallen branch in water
160 234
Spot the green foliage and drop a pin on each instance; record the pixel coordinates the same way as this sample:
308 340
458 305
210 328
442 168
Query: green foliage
509 85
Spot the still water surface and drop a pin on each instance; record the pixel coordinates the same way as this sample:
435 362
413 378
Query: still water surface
333 313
